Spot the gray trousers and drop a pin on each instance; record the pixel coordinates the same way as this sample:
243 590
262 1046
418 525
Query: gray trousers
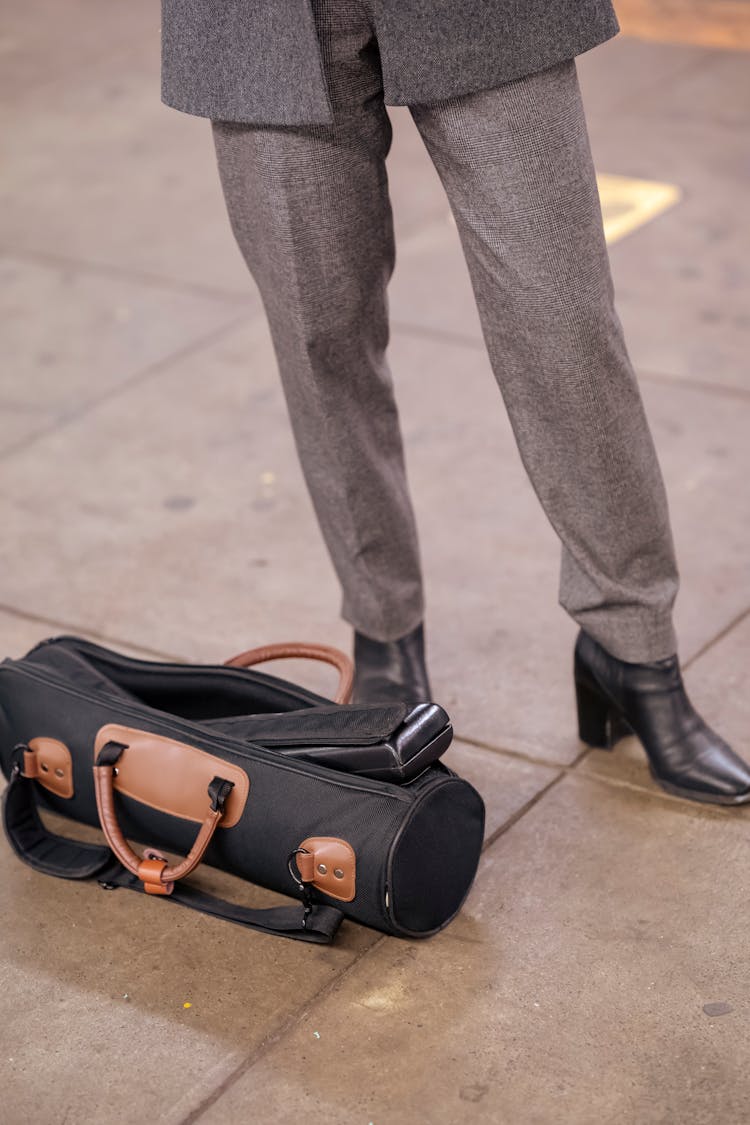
310 210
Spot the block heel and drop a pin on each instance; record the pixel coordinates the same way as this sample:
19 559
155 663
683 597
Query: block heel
594 726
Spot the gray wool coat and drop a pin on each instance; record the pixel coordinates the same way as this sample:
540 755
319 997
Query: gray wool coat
258 61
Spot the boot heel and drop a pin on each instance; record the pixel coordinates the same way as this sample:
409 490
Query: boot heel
594 727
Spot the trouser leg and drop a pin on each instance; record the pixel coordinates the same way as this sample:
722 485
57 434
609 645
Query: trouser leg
517 168
310 210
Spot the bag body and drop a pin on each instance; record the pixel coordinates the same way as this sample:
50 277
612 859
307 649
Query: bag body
413 847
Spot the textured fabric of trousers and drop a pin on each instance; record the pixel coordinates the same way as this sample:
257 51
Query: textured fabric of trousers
310 210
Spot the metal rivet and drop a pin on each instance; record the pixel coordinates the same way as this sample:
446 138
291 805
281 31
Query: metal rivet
59 772
44 767
322 868
339 873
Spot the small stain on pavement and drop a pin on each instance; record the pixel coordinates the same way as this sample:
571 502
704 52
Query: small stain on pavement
179 503
472 1093
719 1008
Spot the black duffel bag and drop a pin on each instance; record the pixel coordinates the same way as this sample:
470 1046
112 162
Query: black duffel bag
344 807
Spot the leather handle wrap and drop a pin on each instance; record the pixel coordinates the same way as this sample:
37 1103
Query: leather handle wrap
296 651
158 877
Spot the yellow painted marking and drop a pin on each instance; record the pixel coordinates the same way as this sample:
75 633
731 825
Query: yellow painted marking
627 204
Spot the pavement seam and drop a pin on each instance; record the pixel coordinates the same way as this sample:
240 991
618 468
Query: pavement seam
735 621
140 277
508 752
423 331
280 1033
76 630
685 381
134 380
692 808
573 770
519 813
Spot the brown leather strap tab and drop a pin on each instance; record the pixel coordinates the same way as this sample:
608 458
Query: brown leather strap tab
299 651
48 761
171 776
154 871
330 864
150 871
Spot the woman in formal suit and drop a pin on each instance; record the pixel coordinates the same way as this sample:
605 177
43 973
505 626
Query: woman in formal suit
296 91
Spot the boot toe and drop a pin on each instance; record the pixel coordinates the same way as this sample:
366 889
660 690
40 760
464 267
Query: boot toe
715 775
732 775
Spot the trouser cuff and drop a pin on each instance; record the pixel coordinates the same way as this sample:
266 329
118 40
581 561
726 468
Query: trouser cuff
385 624
638 636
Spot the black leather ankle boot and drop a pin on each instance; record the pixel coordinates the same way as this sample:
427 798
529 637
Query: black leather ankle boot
685 756
385 671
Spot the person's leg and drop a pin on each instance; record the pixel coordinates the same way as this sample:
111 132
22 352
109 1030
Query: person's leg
517 168
310 210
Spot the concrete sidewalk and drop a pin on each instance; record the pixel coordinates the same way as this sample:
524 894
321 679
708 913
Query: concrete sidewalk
150 497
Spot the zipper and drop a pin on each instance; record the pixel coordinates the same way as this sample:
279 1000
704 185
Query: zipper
168 723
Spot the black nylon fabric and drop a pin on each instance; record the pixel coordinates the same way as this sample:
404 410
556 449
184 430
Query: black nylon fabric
54 855
74 667
435 857
368 722
71 859
289 799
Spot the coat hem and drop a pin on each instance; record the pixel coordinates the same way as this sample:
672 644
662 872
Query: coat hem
289 117
545 60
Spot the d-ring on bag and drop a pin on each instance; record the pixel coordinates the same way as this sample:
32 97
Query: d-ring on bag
344 807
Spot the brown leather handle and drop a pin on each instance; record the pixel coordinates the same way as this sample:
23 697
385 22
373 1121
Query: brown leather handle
295 651
158 877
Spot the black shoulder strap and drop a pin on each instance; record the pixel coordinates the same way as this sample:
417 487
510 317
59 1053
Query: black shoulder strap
70 859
